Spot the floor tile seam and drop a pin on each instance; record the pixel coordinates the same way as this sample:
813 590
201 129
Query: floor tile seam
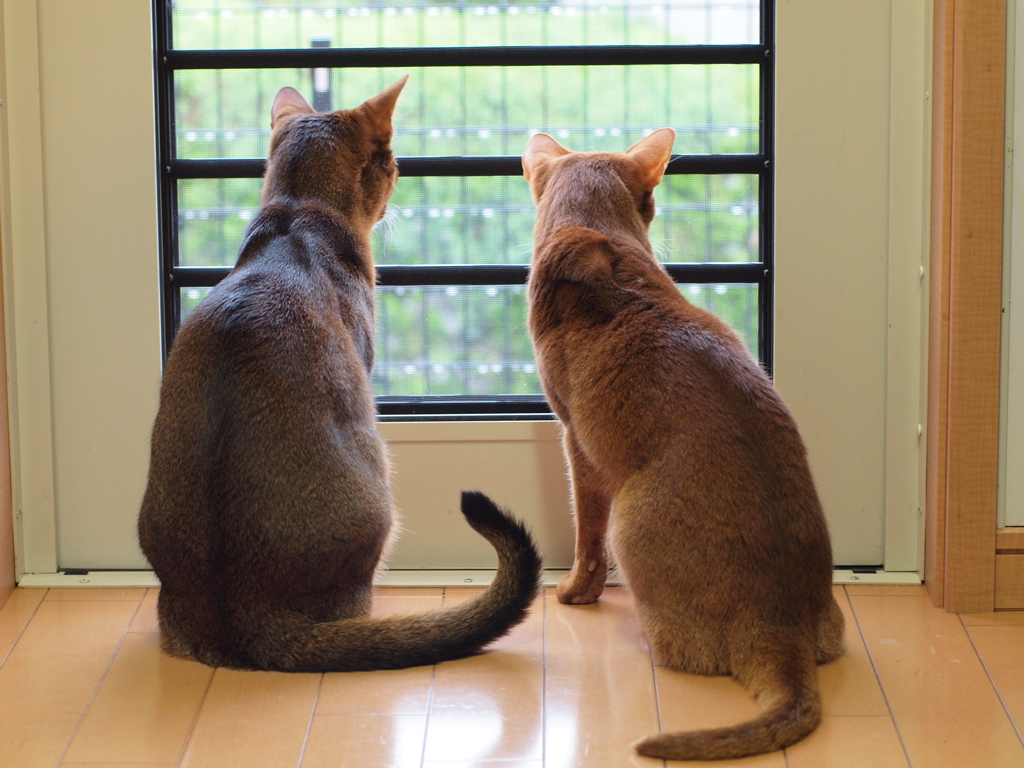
91 602
785 750
408 597
861 595
22 632
103 677
309 725
488 761
878 677
141 603
370 714
430 694
995 624
195 720
426 717
852 717
657 698
995 688
543 676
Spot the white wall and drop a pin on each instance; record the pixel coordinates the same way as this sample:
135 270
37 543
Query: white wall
84 299
79 165
853 122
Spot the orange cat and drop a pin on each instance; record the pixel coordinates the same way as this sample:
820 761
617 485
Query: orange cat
269 505
675 434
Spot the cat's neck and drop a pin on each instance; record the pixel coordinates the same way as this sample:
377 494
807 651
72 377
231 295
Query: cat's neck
348 244
631 233
343 206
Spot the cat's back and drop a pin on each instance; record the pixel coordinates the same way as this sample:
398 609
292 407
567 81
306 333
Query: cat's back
666 396
626 333
280 347
266 389
289 308
647 377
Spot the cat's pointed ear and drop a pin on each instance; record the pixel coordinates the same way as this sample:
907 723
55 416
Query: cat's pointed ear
382 106
651 154
539 148
288 104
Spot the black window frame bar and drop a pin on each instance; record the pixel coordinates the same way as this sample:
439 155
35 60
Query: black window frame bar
446 407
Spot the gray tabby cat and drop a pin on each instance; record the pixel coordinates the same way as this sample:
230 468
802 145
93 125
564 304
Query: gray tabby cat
268 507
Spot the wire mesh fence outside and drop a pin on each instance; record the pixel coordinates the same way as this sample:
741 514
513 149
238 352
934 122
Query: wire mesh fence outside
483 220
244 24
483 111
472 340
462 339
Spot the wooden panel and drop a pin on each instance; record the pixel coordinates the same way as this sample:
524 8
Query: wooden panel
1010 541
966 296
848 742
944 707
49 679
491 706
848 685
1009 587
15 616
999 648
351 740
975 303
6 491
600 694
6 516
252 719
938 317
386 691
135 693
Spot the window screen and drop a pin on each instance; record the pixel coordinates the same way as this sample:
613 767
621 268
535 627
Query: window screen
454 250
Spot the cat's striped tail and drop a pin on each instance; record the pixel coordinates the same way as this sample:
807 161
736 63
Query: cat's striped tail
292 643
787 694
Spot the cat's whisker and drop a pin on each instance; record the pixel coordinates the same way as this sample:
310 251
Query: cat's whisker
389 222
524 248
661 250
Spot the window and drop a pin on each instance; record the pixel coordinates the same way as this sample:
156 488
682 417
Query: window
453 254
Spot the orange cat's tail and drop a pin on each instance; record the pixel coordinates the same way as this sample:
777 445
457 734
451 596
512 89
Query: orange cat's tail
790 710
291 643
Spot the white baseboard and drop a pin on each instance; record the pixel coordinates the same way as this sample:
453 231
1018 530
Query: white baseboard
905 578
116 579
402 578
481 578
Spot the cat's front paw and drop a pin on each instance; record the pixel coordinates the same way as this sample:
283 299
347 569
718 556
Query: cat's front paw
584 584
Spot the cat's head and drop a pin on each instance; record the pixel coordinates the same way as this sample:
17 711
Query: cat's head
599 185
342 158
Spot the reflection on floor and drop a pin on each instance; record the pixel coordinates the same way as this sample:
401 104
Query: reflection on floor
82 683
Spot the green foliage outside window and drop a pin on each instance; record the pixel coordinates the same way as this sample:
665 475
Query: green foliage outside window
472 339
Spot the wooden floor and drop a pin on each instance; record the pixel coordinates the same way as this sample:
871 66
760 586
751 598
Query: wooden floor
83 684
